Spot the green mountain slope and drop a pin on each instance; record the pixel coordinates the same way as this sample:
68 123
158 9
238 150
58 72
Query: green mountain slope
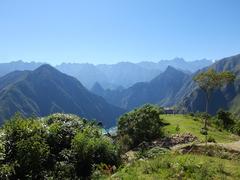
191 98
46 90
161 90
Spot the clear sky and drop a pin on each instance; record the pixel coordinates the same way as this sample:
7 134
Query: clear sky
109 31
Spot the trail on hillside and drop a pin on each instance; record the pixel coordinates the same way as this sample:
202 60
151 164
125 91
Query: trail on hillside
230 146
233 145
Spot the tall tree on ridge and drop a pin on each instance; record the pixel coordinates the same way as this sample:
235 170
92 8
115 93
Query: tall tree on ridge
210 81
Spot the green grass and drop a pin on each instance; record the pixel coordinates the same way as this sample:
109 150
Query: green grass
172 166
187 124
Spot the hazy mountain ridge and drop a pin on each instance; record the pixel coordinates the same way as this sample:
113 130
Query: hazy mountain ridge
160 90
127 74
111 76
20 65
186 94
46 90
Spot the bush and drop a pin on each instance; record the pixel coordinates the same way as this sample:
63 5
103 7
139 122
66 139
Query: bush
56 147
204 131
177 129
211 139
236 128
26 147
225 119
91 148
143 124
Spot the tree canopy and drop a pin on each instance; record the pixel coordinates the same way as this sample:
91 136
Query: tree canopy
142 124
59 146
211 80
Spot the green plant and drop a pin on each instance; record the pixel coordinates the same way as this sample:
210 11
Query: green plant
143 124
177 128
91 148
56 147
211 139
209 81
225 119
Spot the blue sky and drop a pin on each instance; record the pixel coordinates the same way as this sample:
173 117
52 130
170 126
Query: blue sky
109 31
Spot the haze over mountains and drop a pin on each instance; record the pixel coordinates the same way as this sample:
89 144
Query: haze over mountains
46 90
175 87
160 90
123 74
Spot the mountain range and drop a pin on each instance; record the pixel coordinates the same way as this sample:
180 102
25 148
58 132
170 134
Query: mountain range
160 90
43 89
46 90
126 74
175 87
192 99
112 76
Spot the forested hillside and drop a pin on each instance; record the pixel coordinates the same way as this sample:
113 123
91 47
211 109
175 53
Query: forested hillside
46 90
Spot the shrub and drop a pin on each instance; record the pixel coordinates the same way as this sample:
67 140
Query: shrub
57 147
177 129
143 124
25 147
225 119
236 128
211 139
91 148
204 131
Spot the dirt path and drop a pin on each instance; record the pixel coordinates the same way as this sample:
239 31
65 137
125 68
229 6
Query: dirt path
234 145
231 146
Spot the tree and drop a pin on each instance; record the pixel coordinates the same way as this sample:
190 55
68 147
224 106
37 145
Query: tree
26 149
59 146
209 81
143 124
90 148
225 119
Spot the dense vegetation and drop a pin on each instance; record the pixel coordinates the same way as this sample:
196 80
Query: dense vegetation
62 146
143 124
56 147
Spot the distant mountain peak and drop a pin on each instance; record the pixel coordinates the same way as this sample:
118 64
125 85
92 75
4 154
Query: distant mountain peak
171 69
97 85
97 88
178 59
46 90
46 68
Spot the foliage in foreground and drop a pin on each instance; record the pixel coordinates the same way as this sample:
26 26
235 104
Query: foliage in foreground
142 124
193 124
172 166
56 147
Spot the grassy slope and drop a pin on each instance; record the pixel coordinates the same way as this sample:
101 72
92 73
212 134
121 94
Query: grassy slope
189 166
181 166
188 125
